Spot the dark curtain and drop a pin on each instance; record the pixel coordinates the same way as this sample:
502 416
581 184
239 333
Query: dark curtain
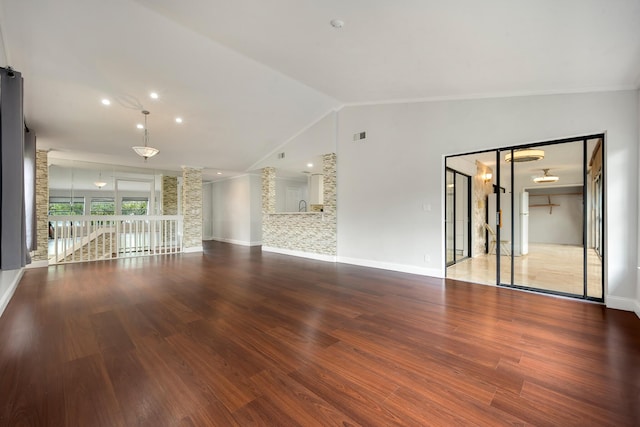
30 189
13 248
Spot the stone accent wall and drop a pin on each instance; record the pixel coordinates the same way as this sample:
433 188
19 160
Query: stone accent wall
268 190
329 182
42 206
311 232
169 195
480 191
192 207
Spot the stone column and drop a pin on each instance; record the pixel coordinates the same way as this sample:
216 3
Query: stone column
169 195
192 208
42 206
329 178
268 190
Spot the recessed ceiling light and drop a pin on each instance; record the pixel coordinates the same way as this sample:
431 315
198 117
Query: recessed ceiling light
105 101
309 165
178 119
337 23
153 95
140 126
219 173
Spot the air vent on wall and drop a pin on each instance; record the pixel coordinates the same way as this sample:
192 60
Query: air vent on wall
360 135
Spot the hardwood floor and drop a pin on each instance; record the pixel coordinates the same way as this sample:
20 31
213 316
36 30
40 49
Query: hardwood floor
237 337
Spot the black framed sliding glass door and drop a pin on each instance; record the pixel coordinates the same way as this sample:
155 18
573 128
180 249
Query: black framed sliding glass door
552 221
544 224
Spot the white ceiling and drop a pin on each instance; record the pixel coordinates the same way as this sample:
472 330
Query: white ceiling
247 75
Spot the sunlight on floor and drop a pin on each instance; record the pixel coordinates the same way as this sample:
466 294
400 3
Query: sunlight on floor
549 267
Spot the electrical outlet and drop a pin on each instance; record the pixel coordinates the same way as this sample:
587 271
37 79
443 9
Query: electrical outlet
427 258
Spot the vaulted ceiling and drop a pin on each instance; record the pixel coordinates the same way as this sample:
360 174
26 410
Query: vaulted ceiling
247 75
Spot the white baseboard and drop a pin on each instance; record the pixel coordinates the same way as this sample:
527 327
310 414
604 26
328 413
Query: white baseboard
236 242
622 303
9 280
310 255
38 264
402 268
192 250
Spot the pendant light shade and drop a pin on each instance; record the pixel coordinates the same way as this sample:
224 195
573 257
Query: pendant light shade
545 178
524 155
100 183
145 151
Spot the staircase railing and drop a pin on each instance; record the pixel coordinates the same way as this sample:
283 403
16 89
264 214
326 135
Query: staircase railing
77 238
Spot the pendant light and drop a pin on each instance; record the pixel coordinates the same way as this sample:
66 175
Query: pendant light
145 151
545 178
100 183
524 155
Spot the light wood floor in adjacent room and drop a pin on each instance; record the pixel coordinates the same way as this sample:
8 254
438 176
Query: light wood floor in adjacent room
235 337
546 266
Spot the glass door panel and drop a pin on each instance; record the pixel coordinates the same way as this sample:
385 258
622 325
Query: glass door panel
548 220
468 182
595 225
503 223
462 237
449 216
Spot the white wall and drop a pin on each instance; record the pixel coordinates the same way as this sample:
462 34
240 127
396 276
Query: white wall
207 211
563 226
255 184
232 210
318 139
282 186
388 181
9 280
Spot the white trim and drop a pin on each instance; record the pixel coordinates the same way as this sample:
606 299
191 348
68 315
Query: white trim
491 95
193 250
9 279
236 242
622 303
310 255
403 268
38 264
229 178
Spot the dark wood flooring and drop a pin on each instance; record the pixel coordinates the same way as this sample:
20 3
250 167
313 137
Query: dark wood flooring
237 337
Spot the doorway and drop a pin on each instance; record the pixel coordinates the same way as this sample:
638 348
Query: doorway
542 225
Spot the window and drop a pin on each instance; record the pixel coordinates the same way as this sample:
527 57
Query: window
103 206
134 206
65 206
